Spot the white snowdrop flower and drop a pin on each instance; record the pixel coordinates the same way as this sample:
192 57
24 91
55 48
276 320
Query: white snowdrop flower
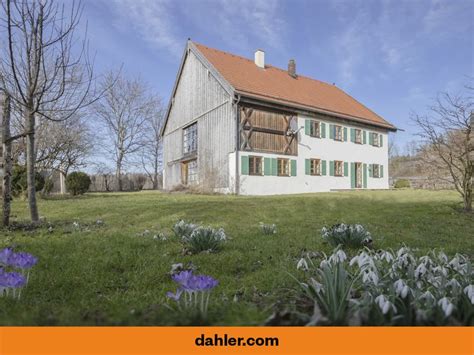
386 308
454 284
380 300
454 262
469 291
442 256
387 256
420 270
338 256
323 264
302 264
354 260
399 284
446 306
316 285
405 291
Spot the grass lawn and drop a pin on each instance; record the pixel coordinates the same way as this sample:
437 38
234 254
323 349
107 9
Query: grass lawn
114 273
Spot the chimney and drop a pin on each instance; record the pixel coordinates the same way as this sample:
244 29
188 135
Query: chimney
260 58
292 68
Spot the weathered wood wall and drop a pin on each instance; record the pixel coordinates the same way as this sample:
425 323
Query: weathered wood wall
261 141
200 97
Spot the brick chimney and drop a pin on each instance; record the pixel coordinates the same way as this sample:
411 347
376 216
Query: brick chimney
260 58
292 68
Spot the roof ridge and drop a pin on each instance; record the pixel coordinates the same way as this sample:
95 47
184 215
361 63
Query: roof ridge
269 65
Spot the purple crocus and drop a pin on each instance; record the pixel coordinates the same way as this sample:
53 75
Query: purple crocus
22 260
182 277
174 296
11 279
5 254
202 283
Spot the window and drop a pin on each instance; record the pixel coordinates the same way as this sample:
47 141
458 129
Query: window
315 129
315 167
358 136
338 133
189 172
190 139
375 170
375 139
338 168
255 165
283 167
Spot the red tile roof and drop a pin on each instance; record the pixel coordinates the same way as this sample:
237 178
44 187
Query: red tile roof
274 84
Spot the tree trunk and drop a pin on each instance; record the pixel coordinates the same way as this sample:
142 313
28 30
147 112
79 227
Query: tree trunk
30 166
7 162
62 182
118 173
468 198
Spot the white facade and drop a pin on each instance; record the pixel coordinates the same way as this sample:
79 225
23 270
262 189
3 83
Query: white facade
319 148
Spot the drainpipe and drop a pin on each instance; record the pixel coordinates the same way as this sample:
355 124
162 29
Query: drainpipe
237 119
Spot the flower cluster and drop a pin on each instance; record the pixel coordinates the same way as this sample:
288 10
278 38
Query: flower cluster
347 235
268 229
11 280
195 290
198 239
399 287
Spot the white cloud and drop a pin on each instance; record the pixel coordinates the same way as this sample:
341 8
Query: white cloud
152 20
165 24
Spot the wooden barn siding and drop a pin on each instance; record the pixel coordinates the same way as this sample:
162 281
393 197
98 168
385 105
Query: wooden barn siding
267 142
200 96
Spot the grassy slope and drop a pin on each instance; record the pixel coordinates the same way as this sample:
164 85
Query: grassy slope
111 275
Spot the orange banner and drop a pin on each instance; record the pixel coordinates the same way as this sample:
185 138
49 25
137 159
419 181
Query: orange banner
225 340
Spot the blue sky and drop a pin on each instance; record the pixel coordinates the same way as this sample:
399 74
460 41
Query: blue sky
393 56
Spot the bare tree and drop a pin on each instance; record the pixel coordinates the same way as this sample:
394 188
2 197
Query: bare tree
62 146
151 153
123 113
446 134
43 68
7 158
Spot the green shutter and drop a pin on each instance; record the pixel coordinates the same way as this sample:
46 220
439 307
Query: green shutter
381 140
353 176
323 167
267 166
307 166
381 170
353 135
331 131
370 170
293 167
323 130
346 168
365 137
331 168
371 139
345 134
307 127
245 165
274 167
365 176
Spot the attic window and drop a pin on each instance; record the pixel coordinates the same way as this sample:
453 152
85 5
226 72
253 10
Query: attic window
190 139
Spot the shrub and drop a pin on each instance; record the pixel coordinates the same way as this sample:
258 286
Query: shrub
347 235
78 183
268 229
19 181
402 183
391 288
205 239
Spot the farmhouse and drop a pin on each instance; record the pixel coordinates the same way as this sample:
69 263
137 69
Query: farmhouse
242 126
